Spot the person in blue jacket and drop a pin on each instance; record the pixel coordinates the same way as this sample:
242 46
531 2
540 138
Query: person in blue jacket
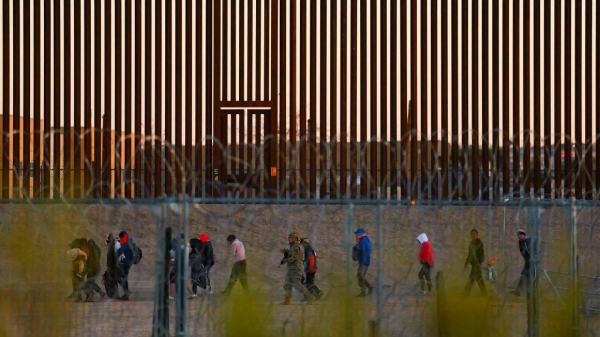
362 254
126 250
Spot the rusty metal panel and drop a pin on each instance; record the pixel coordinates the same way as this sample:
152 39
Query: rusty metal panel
413 104
303 96
234 43
445 97
137 180
107 115
169 157
587 173
537 111
178 143
217 150
466 161
293 102
424 129
210 36
322 137
568 181
579 174
5 100
526 98
283 139
240 88
198 166
312 122
27 98
557 115
485 124
435 136
372 148
97 161
475 101
403 110
516 139
495 101
456 184
506 95
37 89
332 160
149 184
56 125
118 99
87 107
354 147
128 139
16 108
270 29
597 112
394 109
77 178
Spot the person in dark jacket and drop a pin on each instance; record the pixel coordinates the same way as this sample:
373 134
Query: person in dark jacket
196 268
526 249
113 274
475 258
93 270
208 260
310 269
362 250
127 251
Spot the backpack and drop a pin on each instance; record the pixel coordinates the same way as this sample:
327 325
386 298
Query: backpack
355 253
137 252
94 258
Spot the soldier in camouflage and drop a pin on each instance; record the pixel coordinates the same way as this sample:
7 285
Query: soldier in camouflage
294 257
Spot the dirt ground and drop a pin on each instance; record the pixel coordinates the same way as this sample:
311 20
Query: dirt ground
35 276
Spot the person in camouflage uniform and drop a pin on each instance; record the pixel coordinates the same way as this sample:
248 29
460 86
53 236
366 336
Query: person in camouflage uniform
294 257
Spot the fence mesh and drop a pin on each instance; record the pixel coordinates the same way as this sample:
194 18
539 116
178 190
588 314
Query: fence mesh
37 276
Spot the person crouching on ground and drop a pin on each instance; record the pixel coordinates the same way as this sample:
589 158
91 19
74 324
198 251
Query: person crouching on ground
426 260
294 257
362 254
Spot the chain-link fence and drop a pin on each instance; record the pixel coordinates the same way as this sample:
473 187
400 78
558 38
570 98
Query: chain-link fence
36 277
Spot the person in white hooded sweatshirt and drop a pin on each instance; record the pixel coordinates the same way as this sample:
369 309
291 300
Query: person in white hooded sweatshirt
426 260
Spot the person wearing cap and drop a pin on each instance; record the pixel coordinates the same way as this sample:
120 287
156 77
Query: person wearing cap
127 261
238 271
475 258
526 249
362 254
208 260
426 260
294 258
310 269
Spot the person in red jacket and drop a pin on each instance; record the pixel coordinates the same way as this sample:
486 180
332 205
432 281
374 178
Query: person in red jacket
426 260
310 269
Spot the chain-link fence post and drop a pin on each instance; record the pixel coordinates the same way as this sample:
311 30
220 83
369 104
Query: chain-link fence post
574 270
349 240
376 325
161 306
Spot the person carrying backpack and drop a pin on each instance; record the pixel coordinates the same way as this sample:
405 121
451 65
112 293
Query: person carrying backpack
196 268
93 271
362 254
310 269
113 274
127 261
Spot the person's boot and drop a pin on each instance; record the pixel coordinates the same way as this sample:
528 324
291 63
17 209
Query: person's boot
89 298
102 293
287 300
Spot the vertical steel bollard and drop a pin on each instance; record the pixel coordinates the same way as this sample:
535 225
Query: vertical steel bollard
574 270
160 321
348 315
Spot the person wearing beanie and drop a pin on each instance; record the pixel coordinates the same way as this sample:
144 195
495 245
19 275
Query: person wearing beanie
362 254
426 260
238 271
127 261
475 258
527 273
208 260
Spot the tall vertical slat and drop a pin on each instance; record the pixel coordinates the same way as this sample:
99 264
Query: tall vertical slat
138 100
217 151
475 98
456 185
242 51
383 113
107 116
168 147
224 54
363 101
568 179
466 163
413 108
485 111
234 43
47 100
149 190
353 94
506 111
435 135
210 37
577 170
78 136
322 141
371 146
445 97
312 124
118 97
557 113
179 154
587 172
37 90
293 93
57 108
547 182
258 79
250 39
128 139
27 96
232 166
187 173
16 107
267 51
66 112
283 157
333 108
597 138
273 148
97 148
5 99
402 111
537 111
87 105
516 133
496 100
199 104
527 132
394 109
426 190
